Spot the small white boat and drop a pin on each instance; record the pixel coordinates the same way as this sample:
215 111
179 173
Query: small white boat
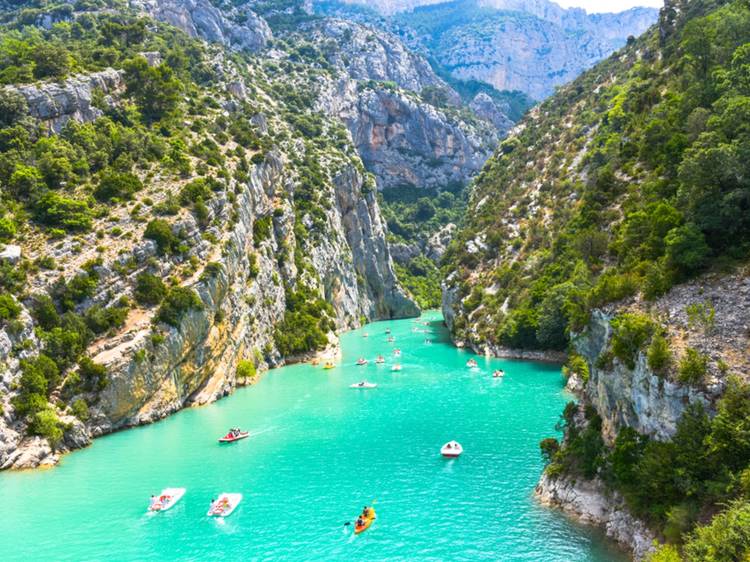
379 360
387 330
363 384
362 361
224 505
498 374
397 353
365 335
166 500
390 339
396 367
452 450
472 364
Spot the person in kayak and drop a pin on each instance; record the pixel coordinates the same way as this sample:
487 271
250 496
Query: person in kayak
366 512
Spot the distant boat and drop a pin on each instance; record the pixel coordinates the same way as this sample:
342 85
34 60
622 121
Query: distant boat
363 384
498 374
224 505
471 364
233 435
397 352
361 361
329 365
379 360
166 500
451 450
396 367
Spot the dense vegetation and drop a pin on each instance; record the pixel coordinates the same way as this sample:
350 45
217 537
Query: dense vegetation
672 485
629 180
136 179
413 216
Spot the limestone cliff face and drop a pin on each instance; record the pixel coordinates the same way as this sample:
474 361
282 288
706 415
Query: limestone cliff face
531 46
200 18
55 104
589 502
402 139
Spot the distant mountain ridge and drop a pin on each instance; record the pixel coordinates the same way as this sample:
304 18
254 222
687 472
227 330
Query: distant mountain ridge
531 46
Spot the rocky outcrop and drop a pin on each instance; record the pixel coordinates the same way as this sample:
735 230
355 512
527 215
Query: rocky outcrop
54 104
400 137
404 141
200 18
364 229
589 502
637 398
369 54
486 108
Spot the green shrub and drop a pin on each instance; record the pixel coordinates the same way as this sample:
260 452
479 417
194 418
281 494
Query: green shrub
45 423
80 410
53 209
659 355
160 232
93 376
245 370
693 367
725 539
630 333
9 308
261 230
45 312
149 289
117 185
177 302
549 448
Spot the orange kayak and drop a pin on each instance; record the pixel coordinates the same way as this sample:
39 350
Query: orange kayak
366 525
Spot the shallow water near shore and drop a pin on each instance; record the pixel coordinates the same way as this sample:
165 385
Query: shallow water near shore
318 452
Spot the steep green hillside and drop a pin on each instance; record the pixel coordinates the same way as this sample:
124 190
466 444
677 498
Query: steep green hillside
629 180
176 215
615 224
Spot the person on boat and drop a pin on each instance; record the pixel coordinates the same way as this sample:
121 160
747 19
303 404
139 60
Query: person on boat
360 521
448 446
366 512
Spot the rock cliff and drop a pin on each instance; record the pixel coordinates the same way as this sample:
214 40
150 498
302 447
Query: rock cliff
200 18
402 138
511 44
335 250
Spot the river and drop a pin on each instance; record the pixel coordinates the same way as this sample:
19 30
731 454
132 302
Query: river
318 452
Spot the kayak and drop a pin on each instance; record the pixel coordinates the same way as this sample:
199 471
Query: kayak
451 450
396 367
224 505
366 524
329 366
363 384
167 499
229 438
362 362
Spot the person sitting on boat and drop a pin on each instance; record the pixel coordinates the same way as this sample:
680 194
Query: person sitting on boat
366 512
360 521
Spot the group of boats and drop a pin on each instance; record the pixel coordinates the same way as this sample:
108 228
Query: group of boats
222 506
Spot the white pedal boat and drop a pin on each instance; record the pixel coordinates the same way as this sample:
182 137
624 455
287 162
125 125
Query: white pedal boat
452 450
224 505
166 500
396 367
363 384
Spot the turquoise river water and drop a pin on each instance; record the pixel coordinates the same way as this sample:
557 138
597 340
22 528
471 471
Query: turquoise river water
318 452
